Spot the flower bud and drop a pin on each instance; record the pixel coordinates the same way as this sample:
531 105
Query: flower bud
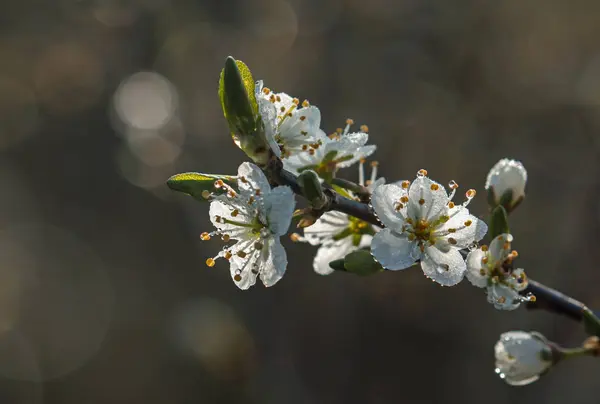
506 184
522 357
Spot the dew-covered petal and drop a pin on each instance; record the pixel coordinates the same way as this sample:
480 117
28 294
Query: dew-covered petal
519 357
517 280
503 297
242 271
300 128
220 209
500 249
427 199
393 250
330 252
463 228
475 267
327 226
279 207
268 114
446 268
273 262
383 201
251 178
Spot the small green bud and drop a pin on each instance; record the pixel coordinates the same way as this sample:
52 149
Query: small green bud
311 188
359 262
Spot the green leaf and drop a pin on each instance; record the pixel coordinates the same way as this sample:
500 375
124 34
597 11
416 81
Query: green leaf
338 265
199 185
236 92
361 262
498 222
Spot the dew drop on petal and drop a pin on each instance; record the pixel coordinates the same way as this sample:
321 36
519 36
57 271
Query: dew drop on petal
473 246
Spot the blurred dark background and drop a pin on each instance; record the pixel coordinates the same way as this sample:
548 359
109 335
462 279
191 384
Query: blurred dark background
104 296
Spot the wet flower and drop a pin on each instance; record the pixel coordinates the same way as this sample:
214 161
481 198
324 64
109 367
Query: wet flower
522 357
506 183
338 234
339 150
422 223
490 268
291 127
254 217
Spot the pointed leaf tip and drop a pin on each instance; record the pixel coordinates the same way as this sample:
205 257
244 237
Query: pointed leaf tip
199 185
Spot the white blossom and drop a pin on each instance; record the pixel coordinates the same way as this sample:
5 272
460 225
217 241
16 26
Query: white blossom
422 223
338 150
291 127
522 357
338 234
486 268
255 217
507 176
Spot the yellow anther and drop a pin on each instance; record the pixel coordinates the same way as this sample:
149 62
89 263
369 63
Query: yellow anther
304 147
482 272
250 200
266 90
399 206
241 254
363 160
452 240
506 245
302 118
243 179
484 248
237 277
422 171
205 236
468 223
225 237
282 109
339 130
303 132
435 187
258 245
210 262
532 298
514 254
451 205
364 128
421 201
296 101
501 299
349 121
311 152
374 163
278 98
219 183
305 103
471 193
232 194
205 194
484 260
451 230
257 192
404 199
295 237
405 184
235 212
228 255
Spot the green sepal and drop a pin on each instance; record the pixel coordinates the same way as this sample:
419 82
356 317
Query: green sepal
498 222
199 185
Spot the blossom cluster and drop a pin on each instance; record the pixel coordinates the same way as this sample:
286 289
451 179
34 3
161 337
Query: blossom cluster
415 222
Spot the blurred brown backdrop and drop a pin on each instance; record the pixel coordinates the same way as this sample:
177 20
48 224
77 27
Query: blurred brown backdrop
104 297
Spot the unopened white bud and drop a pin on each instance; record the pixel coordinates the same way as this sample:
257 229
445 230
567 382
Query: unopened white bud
506 183
522 357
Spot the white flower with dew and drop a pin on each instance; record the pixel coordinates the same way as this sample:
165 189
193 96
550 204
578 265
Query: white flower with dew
291 127
339 150
522 357
507 176
254 216
490 268
422 223
338 234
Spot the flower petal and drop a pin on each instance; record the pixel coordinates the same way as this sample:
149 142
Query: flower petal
327 226
393 250
446 268
503 297
383 200
498 251
427 199
251 178
242 271
273 262
268 114
464 235
279 206
301 128
223 209
474 268
517 280
331 252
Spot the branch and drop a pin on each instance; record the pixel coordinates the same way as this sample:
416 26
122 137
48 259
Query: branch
546 298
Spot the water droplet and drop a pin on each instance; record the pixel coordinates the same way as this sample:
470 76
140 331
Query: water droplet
473 246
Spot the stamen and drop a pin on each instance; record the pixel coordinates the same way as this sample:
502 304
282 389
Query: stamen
471 193
295 237
468 223
501 299
361 172
452 184
484 248
303 132
228 255
421 201
452 241
405 184
205 194
349 121
210 262
305 104
485 260
282 109
205 236
225 237
235 213
237 277
451 230
422 172
364 128
302 118
435 187
278 98
241 254
243 179
219 184
296 101
482 272
404 199
266 90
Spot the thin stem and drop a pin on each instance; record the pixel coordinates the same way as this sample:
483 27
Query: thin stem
351 186
546 298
